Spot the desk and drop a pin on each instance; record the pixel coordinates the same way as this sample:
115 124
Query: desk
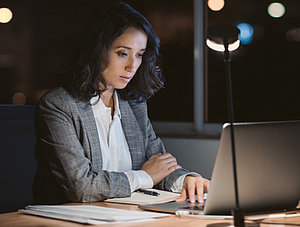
17 219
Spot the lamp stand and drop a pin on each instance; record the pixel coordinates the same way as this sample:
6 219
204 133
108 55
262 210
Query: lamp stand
238 214
223 35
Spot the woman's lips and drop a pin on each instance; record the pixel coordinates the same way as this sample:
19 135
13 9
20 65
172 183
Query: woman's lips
126 78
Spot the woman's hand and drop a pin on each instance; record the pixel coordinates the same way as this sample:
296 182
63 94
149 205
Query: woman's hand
193 185
159 166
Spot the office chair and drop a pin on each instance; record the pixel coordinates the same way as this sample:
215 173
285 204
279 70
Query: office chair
17 162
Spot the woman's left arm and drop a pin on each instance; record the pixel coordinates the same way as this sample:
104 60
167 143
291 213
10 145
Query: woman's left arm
192 182
154 146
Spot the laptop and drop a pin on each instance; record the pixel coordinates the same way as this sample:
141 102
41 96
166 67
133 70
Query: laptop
268 171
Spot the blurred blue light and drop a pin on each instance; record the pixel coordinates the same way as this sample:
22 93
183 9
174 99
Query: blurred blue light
246 34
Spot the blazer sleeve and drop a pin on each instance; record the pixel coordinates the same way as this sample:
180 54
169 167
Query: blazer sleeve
153 144
64 151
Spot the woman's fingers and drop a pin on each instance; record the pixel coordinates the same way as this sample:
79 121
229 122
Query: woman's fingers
200 189
154 155
169 162
159 166
194 185
191 189
183 196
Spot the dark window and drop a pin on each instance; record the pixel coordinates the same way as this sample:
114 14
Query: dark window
173 22
265 73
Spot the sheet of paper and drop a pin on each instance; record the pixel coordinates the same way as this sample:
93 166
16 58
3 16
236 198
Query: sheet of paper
89 214
141 198
268 216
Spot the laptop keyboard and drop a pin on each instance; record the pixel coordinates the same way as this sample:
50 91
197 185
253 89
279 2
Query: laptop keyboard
194 206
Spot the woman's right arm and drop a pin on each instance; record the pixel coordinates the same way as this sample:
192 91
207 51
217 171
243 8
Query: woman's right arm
64 143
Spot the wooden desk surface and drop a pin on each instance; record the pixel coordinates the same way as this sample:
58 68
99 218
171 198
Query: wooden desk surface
17 219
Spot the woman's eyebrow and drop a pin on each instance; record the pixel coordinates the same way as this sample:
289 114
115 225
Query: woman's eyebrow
129 48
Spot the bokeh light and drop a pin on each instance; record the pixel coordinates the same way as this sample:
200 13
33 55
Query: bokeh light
19 98
276 10
293 35
216 5
246 33
5 15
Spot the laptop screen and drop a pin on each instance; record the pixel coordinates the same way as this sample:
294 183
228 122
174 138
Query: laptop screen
268 167
267 160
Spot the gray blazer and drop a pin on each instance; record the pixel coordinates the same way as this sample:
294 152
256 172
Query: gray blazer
68 150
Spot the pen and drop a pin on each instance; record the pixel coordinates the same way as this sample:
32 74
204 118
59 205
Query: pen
148 192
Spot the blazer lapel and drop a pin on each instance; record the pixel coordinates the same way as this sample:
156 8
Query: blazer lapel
88 119
133 134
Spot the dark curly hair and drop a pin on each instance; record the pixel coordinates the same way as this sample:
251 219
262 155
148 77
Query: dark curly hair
85 72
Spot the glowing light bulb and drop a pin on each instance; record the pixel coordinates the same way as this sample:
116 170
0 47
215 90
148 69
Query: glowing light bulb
220 47
276 9
216 5
5 15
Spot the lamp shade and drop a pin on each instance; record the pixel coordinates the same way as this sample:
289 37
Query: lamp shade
219 35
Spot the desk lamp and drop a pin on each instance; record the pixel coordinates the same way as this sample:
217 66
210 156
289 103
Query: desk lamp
224 38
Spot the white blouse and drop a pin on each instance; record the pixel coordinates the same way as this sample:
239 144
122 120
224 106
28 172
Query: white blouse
114 147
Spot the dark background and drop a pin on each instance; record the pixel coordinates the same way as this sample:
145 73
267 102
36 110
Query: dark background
35 45
38 41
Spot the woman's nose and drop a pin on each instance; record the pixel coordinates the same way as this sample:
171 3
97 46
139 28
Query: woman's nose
130 66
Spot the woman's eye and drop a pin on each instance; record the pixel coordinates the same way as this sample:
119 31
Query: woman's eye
140 55
121 54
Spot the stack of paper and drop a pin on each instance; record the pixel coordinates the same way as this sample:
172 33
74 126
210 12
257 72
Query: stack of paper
91 214
141 198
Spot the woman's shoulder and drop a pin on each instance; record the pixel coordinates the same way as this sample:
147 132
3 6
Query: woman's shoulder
57 96
133 103
137 106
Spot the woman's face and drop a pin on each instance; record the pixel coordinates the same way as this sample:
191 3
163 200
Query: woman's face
125 58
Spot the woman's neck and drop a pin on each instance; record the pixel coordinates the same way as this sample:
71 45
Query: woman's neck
107 98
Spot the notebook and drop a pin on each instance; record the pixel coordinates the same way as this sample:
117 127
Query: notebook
268 171
142 198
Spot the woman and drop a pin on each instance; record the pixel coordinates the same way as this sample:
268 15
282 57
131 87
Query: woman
94 138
